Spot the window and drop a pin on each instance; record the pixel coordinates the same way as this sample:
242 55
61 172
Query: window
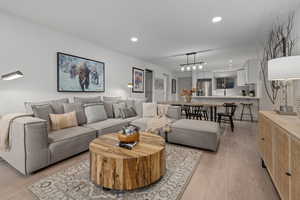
225 83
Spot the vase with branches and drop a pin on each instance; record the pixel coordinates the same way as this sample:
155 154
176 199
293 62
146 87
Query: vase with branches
279 43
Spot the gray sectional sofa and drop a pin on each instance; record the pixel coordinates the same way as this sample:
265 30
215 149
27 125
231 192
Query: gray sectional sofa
33 147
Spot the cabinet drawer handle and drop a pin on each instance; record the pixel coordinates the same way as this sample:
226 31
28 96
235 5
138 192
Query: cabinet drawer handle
288 174
263 139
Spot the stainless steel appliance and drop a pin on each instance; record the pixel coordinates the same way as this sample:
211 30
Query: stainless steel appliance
204 87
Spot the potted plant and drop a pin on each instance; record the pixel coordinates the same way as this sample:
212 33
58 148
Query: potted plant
188 94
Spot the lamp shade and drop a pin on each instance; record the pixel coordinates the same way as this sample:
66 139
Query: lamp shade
12 76
129 85
284 68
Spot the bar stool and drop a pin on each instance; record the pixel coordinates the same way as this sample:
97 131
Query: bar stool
249 106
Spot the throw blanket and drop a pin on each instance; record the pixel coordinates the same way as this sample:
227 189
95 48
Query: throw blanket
5 123
161 122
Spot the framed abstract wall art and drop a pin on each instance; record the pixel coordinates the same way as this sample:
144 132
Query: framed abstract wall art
77 74
137 80
159 84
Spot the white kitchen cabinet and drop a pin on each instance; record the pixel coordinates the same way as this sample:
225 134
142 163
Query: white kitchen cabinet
241 77
252 69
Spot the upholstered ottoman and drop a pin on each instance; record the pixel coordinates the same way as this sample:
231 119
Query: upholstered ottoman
195 133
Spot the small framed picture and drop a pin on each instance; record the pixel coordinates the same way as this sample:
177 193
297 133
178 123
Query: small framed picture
173 86
137 80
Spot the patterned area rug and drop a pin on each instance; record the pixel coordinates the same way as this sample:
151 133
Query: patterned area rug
73 183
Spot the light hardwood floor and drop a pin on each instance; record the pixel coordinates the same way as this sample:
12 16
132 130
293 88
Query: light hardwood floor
233 173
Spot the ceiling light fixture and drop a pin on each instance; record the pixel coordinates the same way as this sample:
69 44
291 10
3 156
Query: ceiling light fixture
192 65
216 19
134 39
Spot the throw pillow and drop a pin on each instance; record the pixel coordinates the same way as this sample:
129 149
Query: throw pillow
149 110
42 112
128 112
108 105
78 108
162 110
87 100
117 107
61 121
94 112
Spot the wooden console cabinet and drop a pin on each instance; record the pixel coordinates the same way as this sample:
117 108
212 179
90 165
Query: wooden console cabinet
279 145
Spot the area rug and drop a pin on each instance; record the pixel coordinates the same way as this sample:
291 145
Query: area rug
74 184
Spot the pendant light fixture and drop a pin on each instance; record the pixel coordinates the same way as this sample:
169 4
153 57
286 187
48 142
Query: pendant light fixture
192 65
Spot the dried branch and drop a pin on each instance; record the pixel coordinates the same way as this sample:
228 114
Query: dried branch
279 43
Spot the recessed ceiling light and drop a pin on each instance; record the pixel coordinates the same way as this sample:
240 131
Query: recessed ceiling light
188 68
216 19
134 39
194 67
200 67
182 68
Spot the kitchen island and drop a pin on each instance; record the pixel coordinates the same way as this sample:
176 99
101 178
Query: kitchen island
233 99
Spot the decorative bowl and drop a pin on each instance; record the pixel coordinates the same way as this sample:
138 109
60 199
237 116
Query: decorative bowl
129 138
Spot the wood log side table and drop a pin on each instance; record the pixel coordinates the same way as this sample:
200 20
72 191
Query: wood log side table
118 168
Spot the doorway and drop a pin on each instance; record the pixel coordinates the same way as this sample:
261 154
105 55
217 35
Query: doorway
167 87
149 85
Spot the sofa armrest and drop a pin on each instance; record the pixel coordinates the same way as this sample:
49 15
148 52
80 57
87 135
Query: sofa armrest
29 145
174 112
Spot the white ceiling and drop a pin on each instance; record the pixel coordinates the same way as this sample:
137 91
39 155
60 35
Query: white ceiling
164 27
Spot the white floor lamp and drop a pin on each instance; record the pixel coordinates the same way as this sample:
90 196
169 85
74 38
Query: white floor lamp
284 69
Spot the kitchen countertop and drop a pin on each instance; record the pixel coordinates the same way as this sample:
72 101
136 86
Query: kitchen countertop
226 97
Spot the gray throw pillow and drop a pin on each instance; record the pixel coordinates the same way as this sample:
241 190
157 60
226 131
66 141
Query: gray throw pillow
94 112
43 112
128 112
87 100
117 107
78 108
108 105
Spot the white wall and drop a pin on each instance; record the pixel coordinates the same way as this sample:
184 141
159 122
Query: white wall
32 49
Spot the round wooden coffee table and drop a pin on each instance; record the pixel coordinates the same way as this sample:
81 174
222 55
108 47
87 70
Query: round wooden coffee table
118 168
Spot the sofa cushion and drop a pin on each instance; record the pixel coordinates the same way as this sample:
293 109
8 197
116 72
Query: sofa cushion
62 121
57 105
149 109
78 108
141 122
87 100
117 109
67 142
108 126
65 134
111 98
43 112
131 119
128 112
108 105
138 105
94 112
